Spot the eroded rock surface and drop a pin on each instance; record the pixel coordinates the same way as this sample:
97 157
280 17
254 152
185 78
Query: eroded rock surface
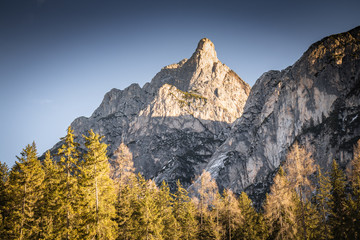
316 102
173 124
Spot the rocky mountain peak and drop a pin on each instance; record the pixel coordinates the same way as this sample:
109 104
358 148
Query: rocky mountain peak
205 53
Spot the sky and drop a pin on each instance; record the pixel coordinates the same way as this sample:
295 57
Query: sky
58 58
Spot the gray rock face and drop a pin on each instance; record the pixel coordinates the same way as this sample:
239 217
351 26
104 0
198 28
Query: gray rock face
175 123
316 102
198 114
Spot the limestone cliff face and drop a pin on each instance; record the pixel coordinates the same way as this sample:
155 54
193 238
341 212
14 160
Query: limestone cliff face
173 124
316 102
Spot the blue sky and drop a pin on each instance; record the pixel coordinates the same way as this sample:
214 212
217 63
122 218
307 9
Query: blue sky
59 57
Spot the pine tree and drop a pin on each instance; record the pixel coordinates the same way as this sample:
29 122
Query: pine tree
252 223
184 212
98 195
4 212
339 207
48 205
280 209
299 166
25 182
164 203
354 175
128 211
322 199
69 199
149 221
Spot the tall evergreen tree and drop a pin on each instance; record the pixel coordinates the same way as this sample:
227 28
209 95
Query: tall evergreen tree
4 212
322 199
97 190
48 205
69 199
164 203
184 212
150 221
354 176
339 217
25 182
280 209
252 224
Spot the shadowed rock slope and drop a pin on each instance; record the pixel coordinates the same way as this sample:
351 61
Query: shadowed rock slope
316 102
173 124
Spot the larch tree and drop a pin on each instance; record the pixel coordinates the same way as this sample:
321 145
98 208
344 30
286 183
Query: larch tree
207 194
280 209
230 214
97 190
25 182
299 166
122 166
127 190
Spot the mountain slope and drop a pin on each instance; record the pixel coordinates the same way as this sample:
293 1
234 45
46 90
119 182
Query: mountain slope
173 124
315 102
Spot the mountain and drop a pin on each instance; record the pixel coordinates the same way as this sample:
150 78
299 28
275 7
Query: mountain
173 124
315 102
198 114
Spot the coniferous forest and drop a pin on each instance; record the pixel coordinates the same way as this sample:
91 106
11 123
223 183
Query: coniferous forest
85 195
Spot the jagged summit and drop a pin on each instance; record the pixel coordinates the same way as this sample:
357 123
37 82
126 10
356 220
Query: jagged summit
206 45
205 53
174 123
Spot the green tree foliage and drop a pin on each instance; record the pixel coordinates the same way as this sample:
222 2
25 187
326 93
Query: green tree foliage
97 191
354 175
25 182
322 199
339 206
164 203
150 222
252 224
78 196
185 213
69 199
49 220
4 197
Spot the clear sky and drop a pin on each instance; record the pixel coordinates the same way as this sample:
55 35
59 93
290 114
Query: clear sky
59 57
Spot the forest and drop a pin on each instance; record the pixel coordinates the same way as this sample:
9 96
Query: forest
79 194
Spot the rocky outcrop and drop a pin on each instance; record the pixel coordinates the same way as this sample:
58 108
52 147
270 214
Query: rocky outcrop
315 102
173 124
198 114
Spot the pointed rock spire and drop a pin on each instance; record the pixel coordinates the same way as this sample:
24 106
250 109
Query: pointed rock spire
205 52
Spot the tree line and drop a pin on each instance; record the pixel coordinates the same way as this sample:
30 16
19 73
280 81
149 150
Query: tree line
85 195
